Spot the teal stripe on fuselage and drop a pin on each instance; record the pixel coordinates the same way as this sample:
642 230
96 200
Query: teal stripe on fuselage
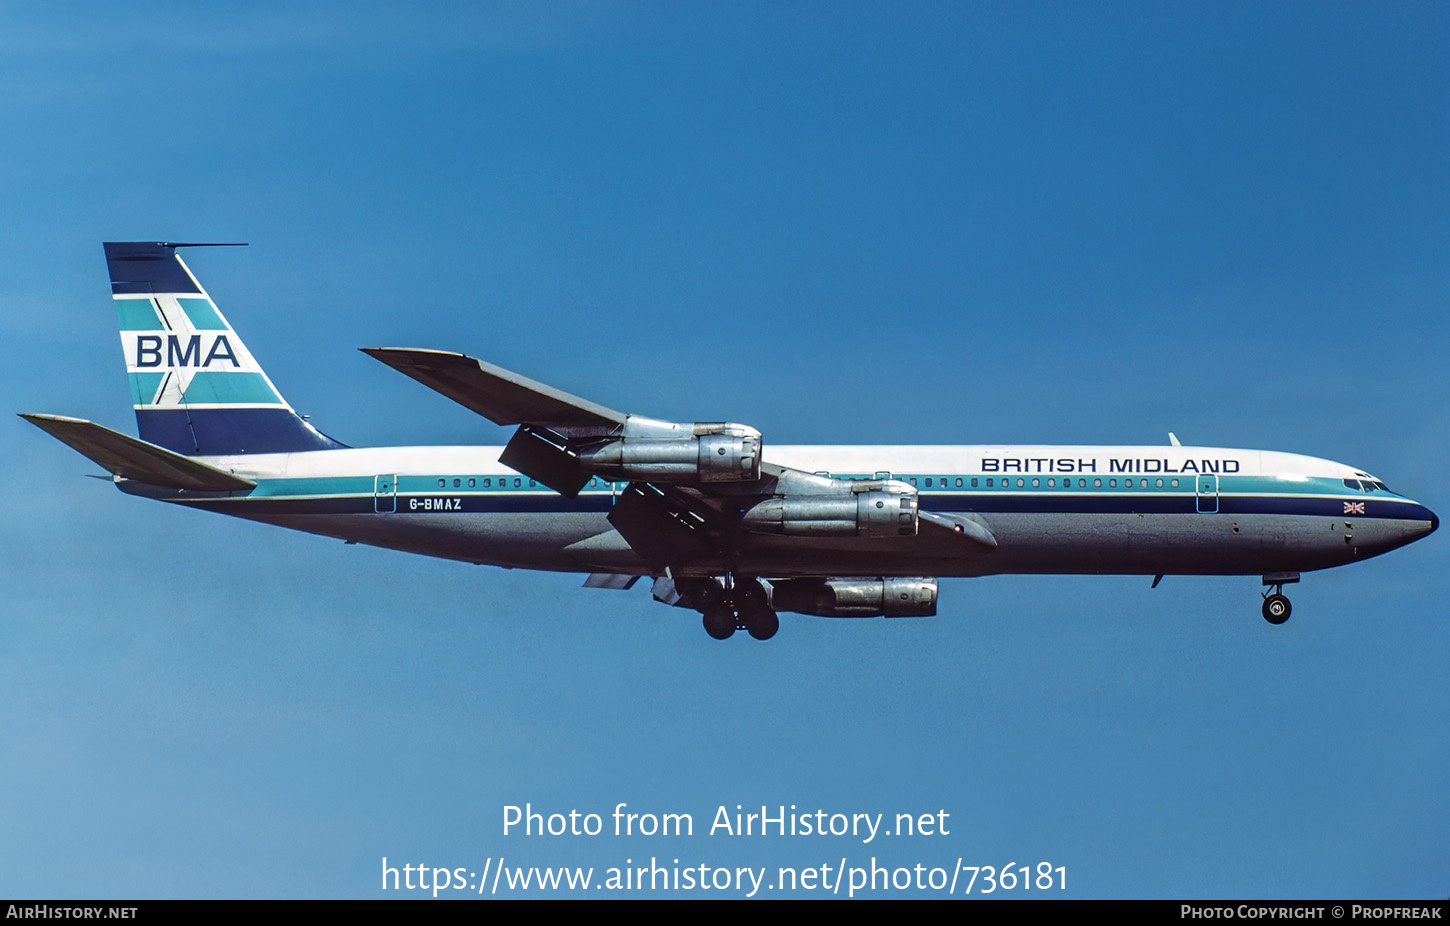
314 487
1133 484
323 486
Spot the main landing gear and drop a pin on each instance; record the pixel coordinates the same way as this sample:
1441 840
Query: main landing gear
1276 606
742 604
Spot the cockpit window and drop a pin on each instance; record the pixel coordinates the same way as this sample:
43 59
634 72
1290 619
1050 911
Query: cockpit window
1367 485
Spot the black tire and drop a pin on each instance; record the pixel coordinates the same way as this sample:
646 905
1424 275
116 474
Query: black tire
1277 609
761 622
719 622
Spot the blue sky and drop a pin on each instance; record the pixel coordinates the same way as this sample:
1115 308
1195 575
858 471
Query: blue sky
840 223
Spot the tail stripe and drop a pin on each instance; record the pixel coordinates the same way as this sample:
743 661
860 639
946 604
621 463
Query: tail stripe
203 315
230 389
137 315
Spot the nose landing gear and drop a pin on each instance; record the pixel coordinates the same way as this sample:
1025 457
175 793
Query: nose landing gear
1276 606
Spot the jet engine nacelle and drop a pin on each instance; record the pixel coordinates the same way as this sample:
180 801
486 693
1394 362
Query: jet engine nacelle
714 453
871 513
910 597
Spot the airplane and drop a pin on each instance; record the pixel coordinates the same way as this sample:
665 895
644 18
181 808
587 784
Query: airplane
722 523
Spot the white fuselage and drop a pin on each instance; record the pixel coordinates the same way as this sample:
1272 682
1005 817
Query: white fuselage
1052 509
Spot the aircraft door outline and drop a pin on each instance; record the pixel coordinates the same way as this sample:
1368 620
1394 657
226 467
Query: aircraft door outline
1208 493
385 494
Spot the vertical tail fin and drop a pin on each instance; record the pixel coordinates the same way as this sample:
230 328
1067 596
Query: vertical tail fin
196 388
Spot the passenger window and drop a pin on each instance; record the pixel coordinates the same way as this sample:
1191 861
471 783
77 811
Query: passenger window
1097 483
471 482
928 482
444 482
974 482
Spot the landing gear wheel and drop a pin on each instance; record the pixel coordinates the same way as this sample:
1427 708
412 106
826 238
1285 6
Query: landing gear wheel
720 622
761 621
1276 609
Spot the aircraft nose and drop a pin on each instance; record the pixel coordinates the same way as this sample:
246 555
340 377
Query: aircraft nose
1425 525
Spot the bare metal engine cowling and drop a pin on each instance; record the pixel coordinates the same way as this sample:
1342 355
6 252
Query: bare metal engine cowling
853 597
728 456
872 513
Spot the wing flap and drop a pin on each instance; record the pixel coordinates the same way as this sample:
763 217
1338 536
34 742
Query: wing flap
130 458
659 526
499 395
610 580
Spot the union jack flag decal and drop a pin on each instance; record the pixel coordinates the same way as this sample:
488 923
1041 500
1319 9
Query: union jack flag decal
1354 507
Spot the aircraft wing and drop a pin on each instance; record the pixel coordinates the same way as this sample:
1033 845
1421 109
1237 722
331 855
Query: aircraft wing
563 440
695 490
130 458
499 395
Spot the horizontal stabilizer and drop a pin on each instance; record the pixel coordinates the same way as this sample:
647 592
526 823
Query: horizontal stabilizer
135 459
495 393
